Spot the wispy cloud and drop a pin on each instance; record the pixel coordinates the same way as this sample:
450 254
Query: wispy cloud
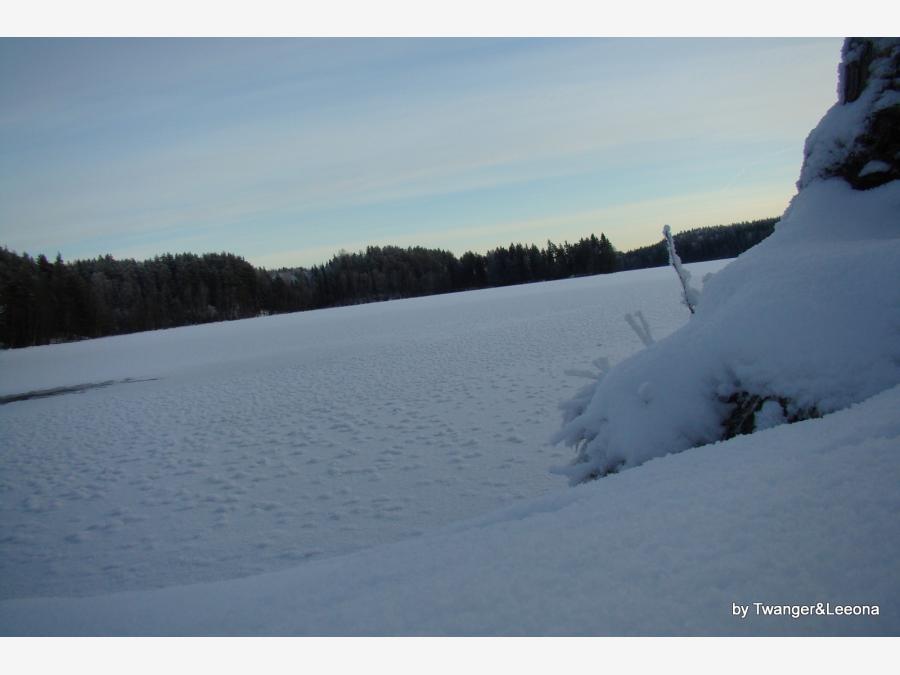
628 224
154 143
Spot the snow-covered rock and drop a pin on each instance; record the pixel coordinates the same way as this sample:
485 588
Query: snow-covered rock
804 324
859 137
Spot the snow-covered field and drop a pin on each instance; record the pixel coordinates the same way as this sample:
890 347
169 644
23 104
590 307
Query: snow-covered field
383 469
797 515
254 446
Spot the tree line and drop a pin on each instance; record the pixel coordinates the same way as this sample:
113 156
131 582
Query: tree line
701 244
43 302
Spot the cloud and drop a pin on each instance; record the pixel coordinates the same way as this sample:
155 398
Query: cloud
260 134
628 224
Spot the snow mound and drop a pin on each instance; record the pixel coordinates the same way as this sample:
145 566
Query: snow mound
804 324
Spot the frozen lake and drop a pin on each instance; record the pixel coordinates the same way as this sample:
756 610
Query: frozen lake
253 446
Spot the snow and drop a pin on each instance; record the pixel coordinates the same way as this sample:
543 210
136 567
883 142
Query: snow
799 514
381 470
254 446
874 166
808 318
810 314
837 134
770 415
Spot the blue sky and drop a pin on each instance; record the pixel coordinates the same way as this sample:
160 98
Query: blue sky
285 151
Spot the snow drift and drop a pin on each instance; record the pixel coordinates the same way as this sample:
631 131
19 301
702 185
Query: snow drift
804 324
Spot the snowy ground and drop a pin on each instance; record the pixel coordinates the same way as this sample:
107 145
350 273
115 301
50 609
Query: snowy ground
382 470
260 445
802 515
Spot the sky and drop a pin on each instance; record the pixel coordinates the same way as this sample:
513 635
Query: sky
285 151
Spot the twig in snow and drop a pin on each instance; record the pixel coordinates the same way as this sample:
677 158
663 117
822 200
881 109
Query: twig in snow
640 327
689 294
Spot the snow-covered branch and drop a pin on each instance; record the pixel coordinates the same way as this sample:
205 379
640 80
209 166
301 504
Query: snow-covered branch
689 294
642 329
